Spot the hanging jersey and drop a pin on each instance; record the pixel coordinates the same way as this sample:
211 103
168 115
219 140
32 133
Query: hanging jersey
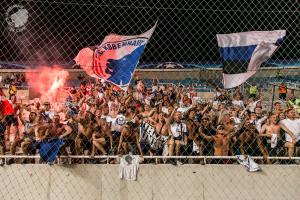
129 165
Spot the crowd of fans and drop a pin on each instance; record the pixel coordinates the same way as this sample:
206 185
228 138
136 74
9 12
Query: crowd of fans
100 119
14 79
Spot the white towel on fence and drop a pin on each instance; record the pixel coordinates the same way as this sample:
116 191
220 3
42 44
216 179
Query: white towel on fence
165 152
195 147
248 162
129 165
274 140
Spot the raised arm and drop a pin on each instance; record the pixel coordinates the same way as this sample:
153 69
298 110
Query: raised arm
262 131
21 116
137 137
173 112
205 109
220 116
68 131
121 140
237 130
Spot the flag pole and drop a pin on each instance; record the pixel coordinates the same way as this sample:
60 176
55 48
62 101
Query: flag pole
273 96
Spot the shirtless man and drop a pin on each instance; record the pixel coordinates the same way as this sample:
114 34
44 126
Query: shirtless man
228 128
221 141
100 137
57 129
270 131
130 137
147 111
248 139
69 139
86 127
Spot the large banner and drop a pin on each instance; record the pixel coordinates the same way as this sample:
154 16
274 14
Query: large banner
149 136
115 59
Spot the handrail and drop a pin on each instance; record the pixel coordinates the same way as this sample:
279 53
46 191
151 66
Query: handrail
158 157
108 157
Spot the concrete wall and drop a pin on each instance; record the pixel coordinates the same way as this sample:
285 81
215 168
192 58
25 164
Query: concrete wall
210 182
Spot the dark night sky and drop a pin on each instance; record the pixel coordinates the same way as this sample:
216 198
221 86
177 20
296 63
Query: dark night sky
185 33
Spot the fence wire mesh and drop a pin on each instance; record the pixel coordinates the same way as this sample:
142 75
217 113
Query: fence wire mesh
175 107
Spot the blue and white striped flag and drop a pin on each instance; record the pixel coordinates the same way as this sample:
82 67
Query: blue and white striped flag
243 53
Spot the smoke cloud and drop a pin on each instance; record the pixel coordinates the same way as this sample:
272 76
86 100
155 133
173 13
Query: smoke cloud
49 82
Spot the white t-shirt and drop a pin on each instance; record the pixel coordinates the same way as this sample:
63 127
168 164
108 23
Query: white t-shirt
50 114
129 165
252 106
293 126
154 88
259 122
178 129
215 104
238 103
165 110
117 122
183 109
236 120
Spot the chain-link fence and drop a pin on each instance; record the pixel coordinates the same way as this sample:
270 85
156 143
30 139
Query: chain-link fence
183 106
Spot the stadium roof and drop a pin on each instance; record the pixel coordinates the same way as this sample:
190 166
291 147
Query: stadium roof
154 65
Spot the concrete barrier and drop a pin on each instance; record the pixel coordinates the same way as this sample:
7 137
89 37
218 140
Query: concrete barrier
210 182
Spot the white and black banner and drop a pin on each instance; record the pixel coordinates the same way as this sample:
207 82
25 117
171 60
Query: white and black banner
149 136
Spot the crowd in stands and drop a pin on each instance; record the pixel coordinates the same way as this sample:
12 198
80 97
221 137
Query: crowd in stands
17 79
100 119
